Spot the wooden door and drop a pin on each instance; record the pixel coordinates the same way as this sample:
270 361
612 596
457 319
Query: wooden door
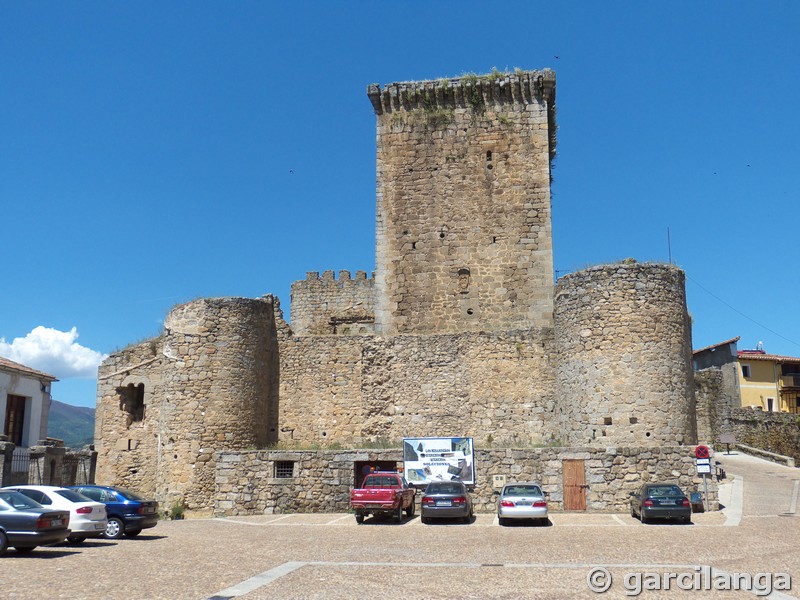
574 484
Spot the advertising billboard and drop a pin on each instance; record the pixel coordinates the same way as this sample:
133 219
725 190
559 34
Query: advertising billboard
438 459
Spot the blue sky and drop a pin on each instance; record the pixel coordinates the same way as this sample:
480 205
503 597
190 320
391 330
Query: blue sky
152 153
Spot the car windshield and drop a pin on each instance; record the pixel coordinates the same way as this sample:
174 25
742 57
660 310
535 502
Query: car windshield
444 488
73 496
668 491
18 501
523 490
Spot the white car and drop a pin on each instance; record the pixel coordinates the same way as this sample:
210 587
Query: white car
87 518
522 501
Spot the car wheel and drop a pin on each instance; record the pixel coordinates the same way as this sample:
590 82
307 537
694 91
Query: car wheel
114 529
502 521
424 520
643 519
687 520
3 543
398 515
468 519
133 532
26 549
410 510
76 539
359 518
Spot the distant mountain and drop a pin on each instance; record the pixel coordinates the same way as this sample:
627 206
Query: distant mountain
73 424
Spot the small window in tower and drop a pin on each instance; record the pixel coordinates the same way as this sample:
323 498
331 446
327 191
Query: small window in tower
284 469
607 421
463 280
633 420
132 401
488 156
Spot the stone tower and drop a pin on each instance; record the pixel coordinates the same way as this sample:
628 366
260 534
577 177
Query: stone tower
623 349
463 230
208 383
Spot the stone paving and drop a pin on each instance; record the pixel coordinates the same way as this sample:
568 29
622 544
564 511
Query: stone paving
329 556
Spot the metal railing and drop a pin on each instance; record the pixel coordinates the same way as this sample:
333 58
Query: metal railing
20 460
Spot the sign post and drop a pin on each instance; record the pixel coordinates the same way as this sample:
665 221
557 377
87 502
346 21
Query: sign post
702 463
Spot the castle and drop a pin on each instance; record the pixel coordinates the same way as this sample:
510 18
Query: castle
461 331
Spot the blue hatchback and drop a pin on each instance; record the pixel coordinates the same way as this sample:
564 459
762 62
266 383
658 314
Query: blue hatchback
128 513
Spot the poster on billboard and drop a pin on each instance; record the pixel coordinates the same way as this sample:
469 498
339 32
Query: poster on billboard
438 459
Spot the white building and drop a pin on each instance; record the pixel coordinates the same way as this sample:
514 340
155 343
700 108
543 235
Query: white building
24 403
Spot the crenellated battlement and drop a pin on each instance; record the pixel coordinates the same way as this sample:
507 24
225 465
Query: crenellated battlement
328 278
521 87
326 304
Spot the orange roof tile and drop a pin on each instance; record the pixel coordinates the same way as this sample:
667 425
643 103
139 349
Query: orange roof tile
756 355
13 366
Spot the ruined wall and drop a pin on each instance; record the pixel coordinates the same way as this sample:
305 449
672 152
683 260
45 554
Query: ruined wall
325 305
350 390
210 382
127 446
623 343
245 482
463 238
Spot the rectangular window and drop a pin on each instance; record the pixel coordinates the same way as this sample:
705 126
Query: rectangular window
15 418
284 469
745 370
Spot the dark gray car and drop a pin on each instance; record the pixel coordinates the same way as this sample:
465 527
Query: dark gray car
660 501
446 500
26 524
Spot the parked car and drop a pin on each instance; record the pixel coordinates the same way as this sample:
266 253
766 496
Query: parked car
26 524
383 493
522 501
87 519
128 513
446 499
660 501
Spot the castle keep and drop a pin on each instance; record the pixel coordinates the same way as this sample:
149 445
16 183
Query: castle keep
460 332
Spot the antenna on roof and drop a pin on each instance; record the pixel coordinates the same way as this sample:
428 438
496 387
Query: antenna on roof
669 246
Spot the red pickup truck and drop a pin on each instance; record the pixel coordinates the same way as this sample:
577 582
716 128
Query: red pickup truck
385 494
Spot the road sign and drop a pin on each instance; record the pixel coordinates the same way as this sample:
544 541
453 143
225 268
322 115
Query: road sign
702 452
703 469
702 461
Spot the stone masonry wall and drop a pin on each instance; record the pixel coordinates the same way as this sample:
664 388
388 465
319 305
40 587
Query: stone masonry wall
325 305
497 388
623 341
246 482
128 452
210 383
774 432
463 236
708 394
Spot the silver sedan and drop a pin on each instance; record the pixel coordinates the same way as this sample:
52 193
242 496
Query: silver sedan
522 501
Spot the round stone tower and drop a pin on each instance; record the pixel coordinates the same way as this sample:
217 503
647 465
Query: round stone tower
623 356
220 390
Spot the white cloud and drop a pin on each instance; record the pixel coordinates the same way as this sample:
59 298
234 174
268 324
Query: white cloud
53 351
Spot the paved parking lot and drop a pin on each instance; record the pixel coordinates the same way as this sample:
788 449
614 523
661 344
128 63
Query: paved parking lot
330 556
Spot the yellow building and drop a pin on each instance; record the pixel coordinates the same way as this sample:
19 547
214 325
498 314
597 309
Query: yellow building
769 381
